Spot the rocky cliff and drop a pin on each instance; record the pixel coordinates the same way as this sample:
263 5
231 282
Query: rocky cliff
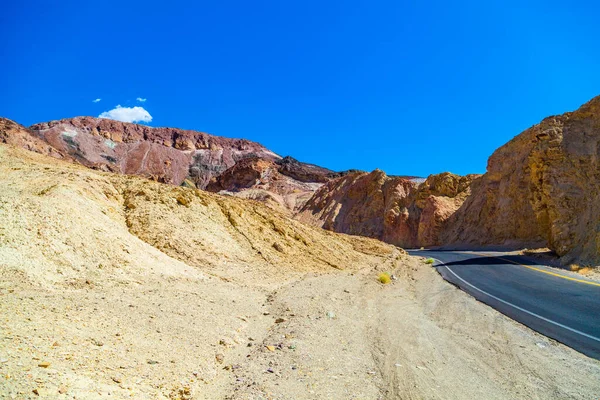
541 188
396 210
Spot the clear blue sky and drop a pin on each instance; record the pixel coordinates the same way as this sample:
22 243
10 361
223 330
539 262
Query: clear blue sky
408 87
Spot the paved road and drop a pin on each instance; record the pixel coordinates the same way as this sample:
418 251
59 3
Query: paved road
558 305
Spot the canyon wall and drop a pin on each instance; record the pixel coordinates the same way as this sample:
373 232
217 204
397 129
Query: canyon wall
541 189
397 210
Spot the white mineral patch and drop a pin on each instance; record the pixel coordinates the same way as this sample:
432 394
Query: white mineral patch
110 143
70 132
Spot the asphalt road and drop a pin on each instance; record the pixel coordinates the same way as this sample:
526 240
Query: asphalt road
559 305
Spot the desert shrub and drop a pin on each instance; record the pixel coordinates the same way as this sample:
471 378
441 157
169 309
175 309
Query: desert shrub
585 270
574 267
384 278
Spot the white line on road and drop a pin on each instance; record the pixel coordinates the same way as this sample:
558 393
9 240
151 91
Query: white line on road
517 307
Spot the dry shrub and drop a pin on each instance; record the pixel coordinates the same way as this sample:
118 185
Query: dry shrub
574 267
384 278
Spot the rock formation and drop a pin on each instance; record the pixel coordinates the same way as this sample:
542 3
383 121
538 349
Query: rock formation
17 135
397 210
286 183
541 188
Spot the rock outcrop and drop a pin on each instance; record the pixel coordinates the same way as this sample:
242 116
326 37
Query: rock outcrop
397 210
304 172
17 135
260 179
541 188
271 182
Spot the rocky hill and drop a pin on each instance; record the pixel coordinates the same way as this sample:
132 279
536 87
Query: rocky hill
17 135
269 181
396 210
541 189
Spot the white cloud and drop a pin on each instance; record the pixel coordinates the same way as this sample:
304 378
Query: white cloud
95 101
141 100
127 114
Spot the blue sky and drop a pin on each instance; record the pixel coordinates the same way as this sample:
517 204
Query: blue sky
412 88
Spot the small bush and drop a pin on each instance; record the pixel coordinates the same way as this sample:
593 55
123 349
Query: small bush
385 278
574 267
585 270
184 200
429 261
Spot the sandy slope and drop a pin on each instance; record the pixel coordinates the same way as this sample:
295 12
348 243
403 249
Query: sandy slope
143 290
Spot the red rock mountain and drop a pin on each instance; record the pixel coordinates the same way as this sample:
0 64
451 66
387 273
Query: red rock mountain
164 154
237 166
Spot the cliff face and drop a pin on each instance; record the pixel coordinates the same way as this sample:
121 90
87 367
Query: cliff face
542 188
393 209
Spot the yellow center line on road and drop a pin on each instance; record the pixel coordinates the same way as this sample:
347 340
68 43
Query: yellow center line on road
537 269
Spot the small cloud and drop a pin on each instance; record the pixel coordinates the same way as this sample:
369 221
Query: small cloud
96 101
141 100
127 114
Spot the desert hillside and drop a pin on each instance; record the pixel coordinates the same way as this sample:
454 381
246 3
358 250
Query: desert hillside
121 286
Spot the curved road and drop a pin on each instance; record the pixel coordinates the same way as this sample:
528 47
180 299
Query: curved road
558 305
